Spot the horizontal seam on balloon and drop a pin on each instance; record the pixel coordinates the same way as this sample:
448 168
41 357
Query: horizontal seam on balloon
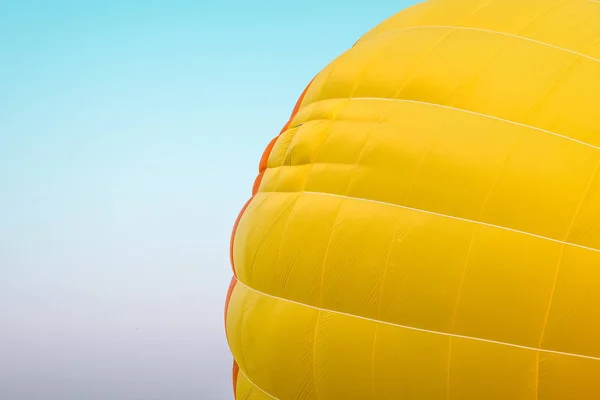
455 218
483 30
454 335
468 112
255 385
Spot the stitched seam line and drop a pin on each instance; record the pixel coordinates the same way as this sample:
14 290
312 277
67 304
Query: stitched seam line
464 111
466 28
452 335
451 217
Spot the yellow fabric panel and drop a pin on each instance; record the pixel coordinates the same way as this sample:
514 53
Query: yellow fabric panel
409 364
573 323
495 283
563 377
484 72
304 353
428 227
477 367
475 161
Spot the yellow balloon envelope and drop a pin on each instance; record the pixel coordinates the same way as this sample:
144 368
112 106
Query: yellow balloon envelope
427 224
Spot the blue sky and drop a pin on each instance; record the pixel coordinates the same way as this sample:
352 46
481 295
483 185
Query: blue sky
130 134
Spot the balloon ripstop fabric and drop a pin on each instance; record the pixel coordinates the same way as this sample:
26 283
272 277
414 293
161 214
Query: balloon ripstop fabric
427 224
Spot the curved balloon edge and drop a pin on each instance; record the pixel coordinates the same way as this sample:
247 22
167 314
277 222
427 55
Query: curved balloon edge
261 170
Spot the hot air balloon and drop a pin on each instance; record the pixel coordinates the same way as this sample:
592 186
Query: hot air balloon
427 224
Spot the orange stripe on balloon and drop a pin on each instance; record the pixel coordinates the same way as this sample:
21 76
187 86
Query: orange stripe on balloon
265 157
234 377
257 182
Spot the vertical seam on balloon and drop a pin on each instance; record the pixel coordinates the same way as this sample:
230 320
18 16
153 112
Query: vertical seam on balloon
545 11
571 67
422 160
464 20
464 85
403 84
314 354
457 303
373 391
359 78
321 290
462 279
353 90
471 15
327 71
328 245
537 375
469 252
376 125
381 290
326 133
556 273
243 360
283 235
566 236
534 108
576 63
290 148
558 264
497 178
448 368
546 317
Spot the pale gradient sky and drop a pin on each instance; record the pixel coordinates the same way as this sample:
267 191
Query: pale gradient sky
130 134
